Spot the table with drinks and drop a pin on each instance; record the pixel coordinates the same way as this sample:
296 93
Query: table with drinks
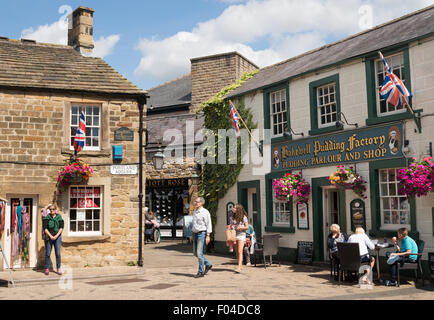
378 246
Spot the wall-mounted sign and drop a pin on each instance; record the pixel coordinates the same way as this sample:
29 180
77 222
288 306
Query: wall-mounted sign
123 169
357 208
302 216
124 134
367 144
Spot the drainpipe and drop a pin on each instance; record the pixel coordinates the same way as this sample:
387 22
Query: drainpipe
141 102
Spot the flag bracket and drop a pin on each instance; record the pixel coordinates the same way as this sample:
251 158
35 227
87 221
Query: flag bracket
417 119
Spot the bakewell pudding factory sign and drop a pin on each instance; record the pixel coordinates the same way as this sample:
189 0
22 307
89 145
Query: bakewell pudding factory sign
361 145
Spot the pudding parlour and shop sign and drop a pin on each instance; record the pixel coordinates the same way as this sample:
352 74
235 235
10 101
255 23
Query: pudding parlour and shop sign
367 144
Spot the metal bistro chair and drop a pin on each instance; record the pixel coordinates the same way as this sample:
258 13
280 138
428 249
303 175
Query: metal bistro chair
416 266
349 258
334 265
270 247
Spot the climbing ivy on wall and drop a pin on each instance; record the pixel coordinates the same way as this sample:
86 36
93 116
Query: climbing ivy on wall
217 178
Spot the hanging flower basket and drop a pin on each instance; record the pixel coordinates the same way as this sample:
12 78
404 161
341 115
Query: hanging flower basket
73 172
348 179
292 186
417 179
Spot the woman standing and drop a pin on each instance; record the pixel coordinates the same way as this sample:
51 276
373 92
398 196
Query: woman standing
53 226
241 224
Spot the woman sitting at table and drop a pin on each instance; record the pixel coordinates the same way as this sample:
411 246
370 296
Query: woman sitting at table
364 242
334 237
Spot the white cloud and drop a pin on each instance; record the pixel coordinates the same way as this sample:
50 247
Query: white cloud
57 33
289 27
104 46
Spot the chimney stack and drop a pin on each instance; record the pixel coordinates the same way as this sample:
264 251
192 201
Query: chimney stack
80 30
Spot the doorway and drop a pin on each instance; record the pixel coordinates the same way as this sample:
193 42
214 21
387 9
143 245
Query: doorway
249 196
332 213
21 231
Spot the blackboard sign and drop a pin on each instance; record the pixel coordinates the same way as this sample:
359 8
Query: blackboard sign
431 264
304 252
124 134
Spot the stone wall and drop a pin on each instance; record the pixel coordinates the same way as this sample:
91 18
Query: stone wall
34 142
212 73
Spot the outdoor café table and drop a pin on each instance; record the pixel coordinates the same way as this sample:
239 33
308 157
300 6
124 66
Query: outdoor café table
379 246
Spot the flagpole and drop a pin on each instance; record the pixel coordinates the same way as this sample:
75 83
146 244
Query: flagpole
257 144
408 105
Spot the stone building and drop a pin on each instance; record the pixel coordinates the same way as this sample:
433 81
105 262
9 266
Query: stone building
322 109
170 191
42 89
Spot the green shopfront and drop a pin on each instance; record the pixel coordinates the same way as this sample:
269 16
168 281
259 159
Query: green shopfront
375 152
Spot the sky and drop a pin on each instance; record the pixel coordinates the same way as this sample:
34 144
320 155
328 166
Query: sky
152 42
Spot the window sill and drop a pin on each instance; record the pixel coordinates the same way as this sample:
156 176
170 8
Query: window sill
88 153
391 118
317 131
86 239
280 229
281 139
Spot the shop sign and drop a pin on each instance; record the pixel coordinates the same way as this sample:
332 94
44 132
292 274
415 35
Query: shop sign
166 183
361 145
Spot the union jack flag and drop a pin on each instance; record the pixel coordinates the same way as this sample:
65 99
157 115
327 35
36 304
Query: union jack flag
80 135
235 118
393 89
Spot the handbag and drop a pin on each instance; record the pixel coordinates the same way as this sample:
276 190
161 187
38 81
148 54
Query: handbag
231 235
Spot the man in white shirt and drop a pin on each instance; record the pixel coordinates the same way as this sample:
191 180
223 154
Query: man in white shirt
202 229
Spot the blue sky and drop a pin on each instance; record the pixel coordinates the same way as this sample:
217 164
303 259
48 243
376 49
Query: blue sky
151 42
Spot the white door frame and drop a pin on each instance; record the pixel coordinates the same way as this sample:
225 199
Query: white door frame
7 245
326 214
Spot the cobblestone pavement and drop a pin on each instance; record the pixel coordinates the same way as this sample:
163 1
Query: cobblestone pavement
168 273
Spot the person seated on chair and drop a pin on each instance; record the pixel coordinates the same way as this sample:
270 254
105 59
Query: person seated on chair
408 245
364 242
250 244
333 238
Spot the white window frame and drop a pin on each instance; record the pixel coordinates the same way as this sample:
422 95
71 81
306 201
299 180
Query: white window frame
329 104
385 186
88 126
101 214
391 60
277 205
281 95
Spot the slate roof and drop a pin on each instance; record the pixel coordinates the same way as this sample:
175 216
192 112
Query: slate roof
407 28
27 64
174 93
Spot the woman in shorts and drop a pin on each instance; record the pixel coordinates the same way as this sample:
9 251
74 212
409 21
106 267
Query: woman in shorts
241 224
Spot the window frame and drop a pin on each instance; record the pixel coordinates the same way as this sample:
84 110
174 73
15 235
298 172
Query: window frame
315 127
267 108
378 85
271 226
373 117
101 214
324 105
284 113
392 226
100 135
377 229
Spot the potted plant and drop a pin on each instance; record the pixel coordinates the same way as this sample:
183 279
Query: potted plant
348 179
417 179
292 186
75 171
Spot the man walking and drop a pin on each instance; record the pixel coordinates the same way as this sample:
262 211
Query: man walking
202 229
